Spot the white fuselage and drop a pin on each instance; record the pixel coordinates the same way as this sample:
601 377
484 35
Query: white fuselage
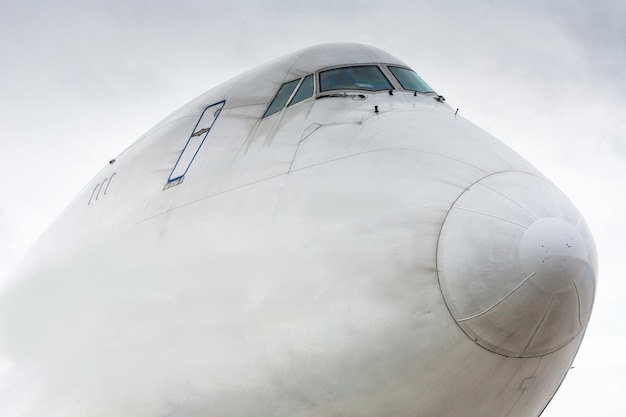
299 268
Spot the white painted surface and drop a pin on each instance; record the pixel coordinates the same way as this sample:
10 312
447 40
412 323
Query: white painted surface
294 272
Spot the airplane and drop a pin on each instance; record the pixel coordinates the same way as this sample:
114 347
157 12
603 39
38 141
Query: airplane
320 236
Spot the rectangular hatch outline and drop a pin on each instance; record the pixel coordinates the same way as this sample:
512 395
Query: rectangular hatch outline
200 129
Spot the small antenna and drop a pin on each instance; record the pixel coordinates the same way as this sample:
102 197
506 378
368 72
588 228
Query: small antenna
457 110
375 109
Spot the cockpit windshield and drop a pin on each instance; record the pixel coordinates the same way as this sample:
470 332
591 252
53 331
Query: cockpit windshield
410 80
372 77
281 97
367 77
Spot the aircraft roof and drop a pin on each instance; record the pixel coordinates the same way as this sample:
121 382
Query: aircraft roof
259 85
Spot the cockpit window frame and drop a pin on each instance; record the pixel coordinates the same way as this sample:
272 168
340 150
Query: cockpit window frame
292 100
402 67
270 110
383 66
341 91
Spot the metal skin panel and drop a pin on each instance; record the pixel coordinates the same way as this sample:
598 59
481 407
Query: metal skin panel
514 257
320 262
195 142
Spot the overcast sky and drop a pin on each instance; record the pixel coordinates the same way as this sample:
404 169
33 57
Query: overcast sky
81 80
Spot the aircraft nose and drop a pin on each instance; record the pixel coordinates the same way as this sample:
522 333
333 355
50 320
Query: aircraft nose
517 265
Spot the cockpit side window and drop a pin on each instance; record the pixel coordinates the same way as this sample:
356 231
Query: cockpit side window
279 101
366 77
305 91
409 80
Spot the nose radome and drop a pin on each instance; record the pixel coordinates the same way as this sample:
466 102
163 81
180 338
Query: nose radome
517 265
555 253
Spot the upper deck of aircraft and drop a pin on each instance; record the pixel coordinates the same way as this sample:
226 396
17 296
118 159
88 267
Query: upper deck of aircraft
319 71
